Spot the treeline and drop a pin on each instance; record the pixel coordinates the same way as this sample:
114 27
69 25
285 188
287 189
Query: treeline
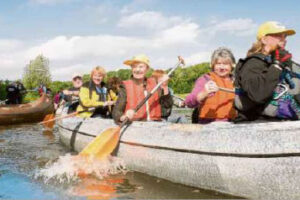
182 80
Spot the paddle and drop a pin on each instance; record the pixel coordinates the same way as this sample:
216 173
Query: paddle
69 115
48 122
227 90
177 97
104 144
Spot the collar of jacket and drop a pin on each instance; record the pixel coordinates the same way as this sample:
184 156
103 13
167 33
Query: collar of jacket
136 81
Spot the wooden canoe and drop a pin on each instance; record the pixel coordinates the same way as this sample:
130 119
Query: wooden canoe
26 113
257 160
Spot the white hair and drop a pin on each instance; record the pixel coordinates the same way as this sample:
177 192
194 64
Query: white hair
222 52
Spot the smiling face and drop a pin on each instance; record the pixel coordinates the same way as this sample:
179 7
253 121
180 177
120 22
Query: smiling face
223 67
97 78
139 70
77 82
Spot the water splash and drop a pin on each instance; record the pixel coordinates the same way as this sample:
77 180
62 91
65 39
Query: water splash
70 168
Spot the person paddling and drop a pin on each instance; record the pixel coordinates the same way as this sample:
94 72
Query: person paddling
261 77
95 94
212 103
133 91
71 95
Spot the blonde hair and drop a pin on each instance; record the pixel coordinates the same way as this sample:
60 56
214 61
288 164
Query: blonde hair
257 47
98 70
158 73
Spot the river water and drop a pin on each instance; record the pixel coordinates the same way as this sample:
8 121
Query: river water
26 149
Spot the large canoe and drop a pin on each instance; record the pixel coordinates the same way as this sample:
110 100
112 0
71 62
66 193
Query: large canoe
257 160
25 113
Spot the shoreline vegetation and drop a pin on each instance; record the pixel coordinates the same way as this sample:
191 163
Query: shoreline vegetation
182 81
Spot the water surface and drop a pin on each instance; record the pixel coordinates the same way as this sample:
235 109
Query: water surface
25 150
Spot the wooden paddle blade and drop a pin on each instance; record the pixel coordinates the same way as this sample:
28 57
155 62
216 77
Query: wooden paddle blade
48 122
104 144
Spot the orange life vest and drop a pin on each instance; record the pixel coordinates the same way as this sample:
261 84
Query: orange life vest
220 105
135 94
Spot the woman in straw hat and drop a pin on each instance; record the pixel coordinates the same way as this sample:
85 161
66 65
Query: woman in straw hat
257 77
211 103
94 94
133 91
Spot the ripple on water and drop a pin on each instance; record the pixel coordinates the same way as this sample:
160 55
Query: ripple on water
33 167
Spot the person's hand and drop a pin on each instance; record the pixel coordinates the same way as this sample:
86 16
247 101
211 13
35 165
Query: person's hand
282 57
211 87
181 104
129 114
67 92
181 60
109 103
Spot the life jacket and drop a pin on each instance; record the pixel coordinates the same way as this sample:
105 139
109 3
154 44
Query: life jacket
151 110
220 105
95 94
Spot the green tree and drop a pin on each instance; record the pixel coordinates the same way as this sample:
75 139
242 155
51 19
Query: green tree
183 79
37 73
56 86
3 85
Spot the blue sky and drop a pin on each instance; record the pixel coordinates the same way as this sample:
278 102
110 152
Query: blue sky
77 35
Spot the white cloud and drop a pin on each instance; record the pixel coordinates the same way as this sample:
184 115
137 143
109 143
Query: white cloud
237 27
9 45
198 57
168 37
148 19
185 33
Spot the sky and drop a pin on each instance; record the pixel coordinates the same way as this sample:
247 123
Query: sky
77 35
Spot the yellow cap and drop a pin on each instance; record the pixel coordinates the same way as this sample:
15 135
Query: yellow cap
272 27
137 59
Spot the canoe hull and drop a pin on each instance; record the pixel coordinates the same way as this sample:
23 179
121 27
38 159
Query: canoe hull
26 113
202 158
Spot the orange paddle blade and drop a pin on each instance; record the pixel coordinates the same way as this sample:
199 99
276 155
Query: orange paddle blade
103 145
48 122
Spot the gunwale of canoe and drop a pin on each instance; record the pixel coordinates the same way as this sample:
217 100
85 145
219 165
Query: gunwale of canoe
22 113
264 164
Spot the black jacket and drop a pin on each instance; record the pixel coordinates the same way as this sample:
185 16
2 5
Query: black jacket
257 78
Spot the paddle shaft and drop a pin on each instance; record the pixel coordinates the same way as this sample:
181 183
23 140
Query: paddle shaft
297 64
227 90
71 115
177 97
149 95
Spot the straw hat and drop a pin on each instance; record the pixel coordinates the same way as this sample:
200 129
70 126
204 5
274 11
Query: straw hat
273 27
138 59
